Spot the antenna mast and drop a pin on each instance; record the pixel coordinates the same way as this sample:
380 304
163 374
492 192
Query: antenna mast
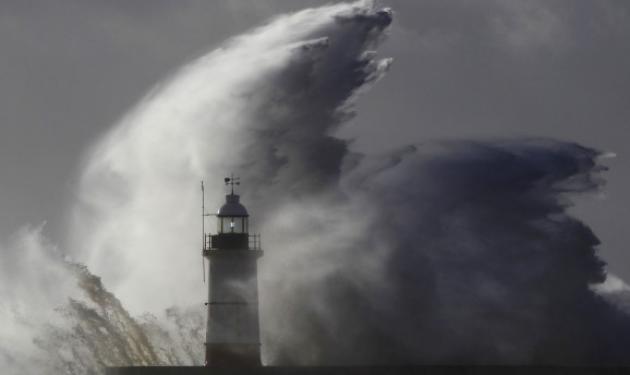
203 231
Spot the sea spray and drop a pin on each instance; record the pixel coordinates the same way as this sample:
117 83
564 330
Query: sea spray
137 222
102 333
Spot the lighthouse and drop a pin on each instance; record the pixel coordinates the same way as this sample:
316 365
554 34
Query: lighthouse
233 334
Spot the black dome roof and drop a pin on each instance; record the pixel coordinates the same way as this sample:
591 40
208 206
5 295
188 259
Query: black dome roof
232 207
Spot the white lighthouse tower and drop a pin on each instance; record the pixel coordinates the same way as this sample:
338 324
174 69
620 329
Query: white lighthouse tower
233 335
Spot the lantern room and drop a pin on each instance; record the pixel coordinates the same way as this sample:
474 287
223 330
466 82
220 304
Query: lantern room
232 224
232 216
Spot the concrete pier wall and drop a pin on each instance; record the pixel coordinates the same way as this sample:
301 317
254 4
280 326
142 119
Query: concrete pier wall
378 370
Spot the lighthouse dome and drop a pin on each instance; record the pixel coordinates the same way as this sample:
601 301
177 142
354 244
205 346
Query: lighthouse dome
232 207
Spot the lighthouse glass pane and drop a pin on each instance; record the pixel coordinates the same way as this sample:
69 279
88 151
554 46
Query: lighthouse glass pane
236 225
232 225
225 225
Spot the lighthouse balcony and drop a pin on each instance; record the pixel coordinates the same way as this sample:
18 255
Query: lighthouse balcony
232 241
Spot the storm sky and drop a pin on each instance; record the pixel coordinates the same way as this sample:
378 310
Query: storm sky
467 69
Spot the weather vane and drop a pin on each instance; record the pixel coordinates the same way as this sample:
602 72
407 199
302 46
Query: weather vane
231 181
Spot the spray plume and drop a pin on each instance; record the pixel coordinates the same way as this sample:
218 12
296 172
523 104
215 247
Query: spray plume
439 253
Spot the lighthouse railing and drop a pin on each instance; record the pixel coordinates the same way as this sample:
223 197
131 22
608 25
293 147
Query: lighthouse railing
254 242
207 243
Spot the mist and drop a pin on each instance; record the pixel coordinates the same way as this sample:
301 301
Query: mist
442 252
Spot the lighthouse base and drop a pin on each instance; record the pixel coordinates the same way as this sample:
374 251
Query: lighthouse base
233 355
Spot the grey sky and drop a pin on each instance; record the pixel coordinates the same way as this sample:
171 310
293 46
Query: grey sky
462 69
